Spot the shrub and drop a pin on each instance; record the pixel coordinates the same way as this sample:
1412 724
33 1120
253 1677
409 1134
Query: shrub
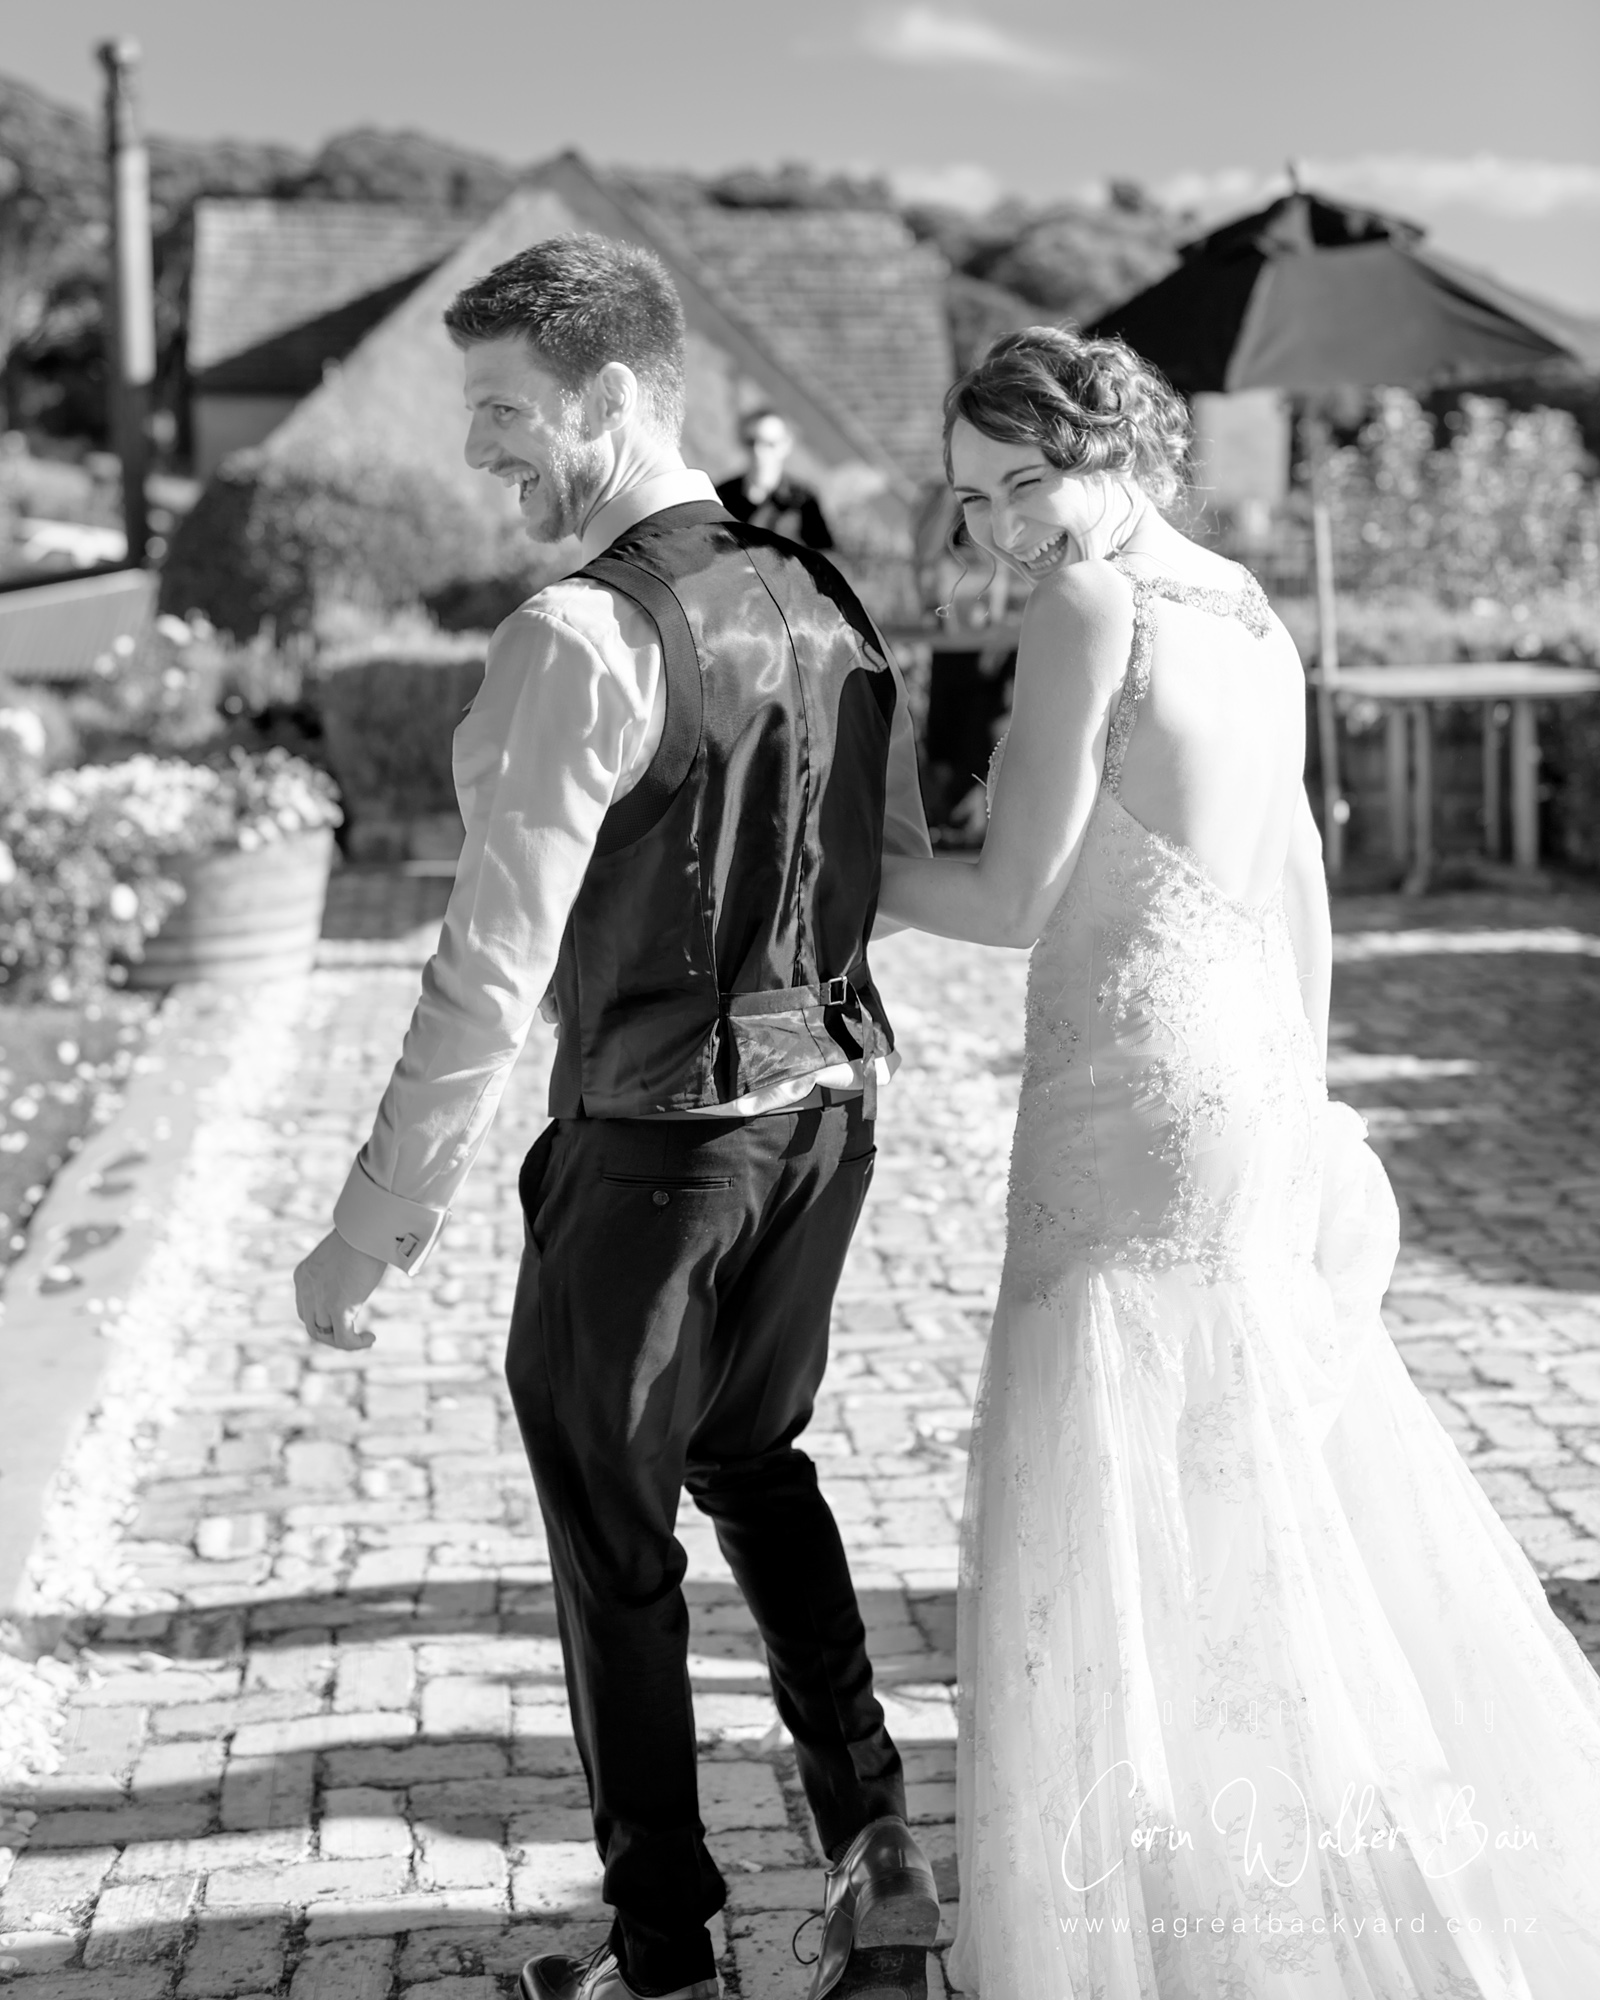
189 689
273 542
1401 628
1506 510
388 718
84 856
479 604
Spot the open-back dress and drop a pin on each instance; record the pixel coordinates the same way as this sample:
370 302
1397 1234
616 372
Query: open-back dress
1258 1698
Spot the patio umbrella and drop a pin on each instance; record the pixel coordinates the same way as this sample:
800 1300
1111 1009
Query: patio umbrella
1309 296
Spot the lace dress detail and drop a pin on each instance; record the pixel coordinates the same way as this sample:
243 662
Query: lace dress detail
1238 1633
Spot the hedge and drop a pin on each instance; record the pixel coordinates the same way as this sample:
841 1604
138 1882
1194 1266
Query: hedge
388 719
273 541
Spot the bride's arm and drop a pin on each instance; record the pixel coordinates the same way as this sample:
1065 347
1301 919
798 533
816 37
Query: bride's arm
1305 900
1071 658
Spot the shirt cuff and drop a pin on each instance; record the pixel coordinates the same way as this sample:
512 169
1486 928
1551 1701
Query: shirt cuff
386 1225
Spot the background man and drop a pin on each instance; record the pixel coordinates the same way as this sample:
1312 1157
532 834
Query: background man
677 783
762 496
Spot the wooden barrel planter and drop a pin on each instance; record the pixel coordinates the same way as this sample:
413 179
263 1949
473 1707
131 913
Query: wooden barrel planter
246 916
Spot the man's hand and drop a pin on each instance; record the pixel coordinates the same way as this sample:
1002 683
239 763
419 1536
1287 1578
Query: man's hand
330 1288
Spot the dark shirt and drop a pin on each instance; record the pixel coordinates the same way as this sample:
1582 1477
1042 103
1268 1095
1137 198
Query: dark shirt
789 509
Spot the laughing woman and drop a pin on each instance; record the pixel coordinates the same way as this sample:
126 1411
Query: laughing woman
1259 1700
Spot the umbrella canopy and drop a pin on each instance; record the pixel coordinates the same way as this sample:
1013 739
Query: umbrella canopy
1310 295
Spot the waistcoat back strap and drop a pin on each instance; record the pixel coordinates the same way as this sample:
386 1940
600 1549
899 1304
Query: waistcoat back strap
633 815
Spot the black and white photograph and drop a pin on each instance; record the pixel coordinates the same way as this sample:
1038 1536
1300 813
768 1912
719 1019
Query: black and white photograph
799 1001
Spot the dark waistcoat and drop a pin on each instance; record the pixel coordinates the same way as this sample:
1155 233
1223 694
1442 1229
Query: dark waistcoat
718 944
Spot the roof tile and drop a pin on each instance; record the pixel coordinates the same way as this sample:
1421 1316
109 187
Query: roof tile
265 269
844 297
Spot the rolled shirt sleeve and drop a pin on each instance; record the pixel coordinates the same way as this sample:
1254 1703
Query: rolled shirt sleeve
537 764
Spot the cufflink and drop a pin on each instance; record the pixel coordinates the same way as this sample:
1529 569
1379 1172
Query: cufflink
407 1244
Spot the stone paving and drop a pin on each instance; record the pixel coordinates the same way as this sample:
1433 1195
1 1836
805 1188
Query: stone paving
317 1739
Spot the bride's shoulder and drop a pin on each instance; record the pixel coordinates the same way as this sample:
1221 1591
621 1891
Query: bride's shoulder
1090 593
1087 607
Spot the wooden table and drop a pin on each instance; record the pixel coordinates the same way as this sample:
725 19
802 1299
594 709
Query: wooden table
1410 694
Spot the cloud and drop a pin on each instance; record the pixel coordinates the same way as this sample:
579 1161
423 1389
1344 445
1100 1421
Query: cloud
1514 189
962 185
924 37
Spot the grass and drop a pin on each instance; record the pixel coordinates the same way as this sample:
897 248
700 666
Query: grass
61 1071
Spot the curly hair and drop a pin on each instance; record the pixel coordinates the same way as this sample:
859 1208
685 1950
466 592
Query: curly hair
581 301
1090 405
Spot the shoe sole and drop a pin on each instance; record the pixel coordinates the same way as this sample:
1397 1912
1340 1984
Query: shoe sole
890 1972
897 1909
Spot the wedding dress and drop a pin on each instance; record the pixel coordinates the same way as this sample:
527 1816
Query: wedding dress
1258 1698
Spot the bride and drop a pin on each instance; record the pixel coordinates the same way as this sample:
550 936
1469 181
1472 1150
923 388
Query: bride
1258 1699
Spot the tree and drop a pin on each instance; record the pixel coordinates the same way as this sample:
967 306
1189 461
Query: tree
51 206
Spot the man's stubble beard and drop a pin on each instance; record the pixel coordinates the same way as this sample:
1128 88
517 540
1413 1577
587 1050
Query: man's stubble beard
570 487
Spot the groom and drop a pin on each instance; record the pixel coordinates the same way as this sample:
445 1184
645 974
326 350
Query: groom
677 782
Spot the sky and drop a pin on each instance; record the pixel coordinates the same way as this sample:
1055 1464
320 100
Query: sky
1475 118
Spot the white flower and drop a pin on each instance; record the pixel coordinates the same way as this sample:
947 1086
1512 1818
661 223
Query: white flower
27 726
123 903
8 866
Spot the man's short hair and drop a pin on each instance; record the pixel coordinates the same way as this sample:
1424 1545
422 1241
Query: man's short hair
748 422
579 302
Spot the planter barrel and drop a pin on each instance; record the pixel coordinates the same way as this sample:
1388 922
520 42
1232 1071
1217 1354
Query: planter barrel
246 916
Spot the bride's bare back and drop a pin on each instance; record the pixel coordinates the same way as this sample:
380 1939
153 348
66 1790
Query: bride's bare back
1217 752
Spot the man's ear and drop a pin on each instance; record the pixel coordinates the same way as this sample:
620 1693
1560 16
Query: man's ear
612 399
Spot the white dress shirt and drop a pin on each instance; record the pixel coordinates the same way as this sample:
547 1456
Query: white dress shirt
567 720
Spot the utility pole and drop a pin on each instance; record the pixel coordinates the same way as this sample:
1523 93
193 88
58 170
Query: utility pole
130 315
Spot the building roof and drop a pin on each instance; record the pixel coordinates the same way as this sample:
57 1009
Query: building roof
846 298
280 288
834 317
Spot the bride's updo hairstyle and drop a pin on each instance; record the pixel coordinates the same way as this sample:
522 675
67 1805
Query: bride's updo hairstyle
1089 405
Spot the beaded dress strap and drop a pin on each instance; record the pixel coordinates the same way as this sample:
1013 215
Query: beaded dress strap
1248 604
1135 683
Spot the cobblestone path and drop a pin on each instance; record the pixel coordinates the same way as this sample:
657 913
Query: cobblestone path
318 1742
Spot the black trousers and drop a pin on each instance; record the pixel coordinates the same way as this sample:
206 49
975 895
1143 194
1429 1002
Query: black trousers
670 1330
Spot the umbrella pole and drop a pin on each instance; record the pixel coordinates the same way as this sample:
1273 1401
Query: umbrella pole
1333 805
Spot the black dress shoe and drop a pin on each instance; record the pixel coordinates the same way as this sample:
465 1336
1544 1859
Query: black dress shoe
879 1892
